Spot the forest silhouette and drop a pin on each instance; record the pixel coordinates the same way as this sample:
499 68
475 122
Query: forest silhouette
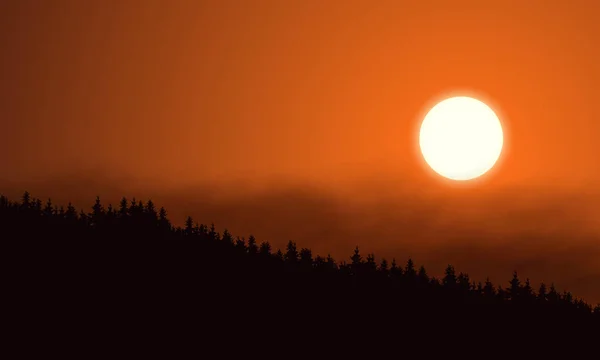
129 264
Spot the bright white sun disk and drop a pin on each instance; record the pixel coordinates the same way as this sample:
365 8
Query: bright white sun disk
461 138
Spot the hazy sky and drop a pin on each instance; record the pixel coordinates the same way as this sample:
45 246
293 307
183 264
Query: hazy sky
299 120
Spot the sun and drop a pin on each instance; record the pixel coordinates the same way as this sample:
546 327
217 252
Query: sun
461 138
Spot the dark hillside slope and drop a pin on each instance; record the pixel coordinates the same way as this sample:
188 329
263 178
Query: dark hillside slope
126 273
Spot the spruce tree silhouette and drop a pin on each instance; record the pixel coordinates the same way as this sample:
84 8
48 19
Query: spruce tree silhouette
514 291
291 254
357 262
371 265
240 245
306 260
450 279
542 295
384 267
252 247
395 271
423 276
489 292
409 270
265 247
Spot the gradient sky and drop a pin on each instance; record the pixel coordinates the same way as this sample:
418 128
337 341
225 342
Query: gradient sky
299 120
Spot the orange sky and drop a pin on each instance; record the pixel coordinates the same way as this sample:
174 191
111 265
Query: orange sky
298 120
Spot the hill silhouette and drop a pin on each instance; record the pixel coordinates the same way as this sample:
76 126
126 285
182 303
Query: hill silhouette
127 267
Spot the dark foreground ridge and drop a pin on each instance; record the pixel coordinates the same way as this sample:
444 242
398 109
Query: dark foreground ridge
115 273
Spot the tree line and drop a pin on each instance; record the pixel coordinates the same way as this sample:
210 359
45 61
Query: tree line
137 235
